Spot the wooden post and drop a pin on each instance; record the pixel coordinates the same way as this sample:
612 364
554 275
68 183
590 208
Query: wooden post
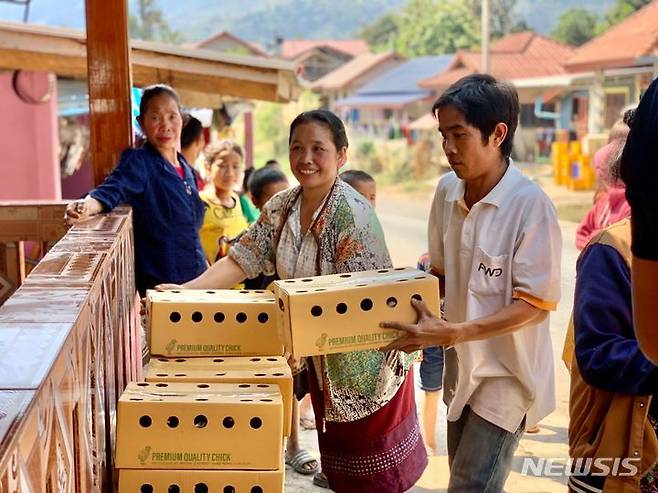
249 139
110 81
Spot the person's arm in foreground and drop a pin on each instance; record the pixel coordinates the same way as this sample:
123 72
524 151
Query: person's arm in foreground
432 331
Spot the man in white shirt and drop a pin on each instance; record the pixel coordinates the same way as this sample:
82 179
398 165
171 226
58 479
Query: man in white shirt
495 243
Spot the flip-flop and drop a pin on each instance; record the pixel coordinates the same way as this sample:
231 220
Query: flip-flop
301 458
307 423
320 480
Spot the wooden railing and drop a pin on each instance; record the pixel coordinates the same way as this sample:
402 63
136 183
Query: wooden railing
69 343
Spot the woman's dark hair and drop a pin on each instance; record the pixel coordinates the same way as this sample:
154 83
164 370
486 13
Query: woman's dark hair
326 118
484 102
262 177
353 176
191 132
155 90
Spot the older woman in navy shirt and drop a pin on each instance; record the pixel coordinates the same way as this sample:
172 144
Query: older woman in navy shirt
159 185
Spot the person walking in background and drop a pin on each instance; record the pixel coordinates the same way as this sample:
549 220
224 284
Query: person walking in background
192 142
159 184
363 401
362 182
495 244
224 218
610 205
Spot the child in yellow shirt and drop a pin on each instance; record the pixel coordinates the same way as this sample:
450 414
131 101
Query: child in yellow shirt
224 218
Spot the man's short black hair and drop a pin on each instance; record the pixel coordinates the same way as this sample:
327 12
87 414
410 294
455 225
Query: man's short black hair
484 102
262 177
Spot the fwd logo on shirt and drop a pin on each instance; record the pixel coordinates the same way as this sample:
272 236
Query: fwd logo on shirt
489 271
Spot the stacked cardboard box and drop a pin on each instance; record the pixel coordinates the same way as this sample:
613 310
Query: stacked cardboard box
217 398
207 418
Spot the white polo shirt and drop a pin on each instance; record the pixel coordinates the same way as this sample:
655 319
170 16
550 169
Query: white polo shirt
506 246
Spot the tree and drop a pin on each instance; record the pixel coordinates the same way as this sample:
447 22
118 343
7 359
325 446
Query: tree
150 24
435 27
576 26
381 35
619 11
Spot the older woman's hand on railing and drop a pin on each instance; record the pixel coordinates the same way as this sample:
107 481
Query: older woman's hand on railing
82 209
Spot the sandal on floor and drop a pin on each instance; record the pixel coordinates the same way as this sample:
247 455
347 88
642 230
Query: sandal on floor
301 458
320 480
307 423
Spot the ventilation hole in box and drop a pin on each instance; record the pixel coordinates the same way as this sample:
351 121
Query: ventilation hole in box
220 374
259 291
341 308
174 317
400 268
383 271
246 400
366 304
262 386
281 305
345 275
316 311
163 359
180 360
271 359
266 400
320 289
201 399
162 374
136 399
173 488
200 421
201 488
244 386
162 384
218 360
145 421
301 291
263 317
203 385
180 374
175 291
278 374
146 488
392 302
255 423
228 422
172 421
417 297
197 317
361 285
254 359
307 280
401 280
143 384
210 292
289 281
256 489
260 374
219 317
229 489
241 317
420 277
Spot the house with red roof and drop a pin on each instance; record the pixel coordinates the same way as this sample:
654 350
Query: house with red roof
619 64
535 65
351 76
317 57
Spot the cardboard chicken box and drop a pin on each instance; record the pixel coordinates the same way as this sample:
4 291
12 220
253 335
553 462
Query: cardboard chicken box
199 426
213 323
185 481
254 370
341 312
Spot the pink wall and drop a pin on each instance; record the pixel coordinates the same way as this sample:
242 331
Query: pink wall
29 162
